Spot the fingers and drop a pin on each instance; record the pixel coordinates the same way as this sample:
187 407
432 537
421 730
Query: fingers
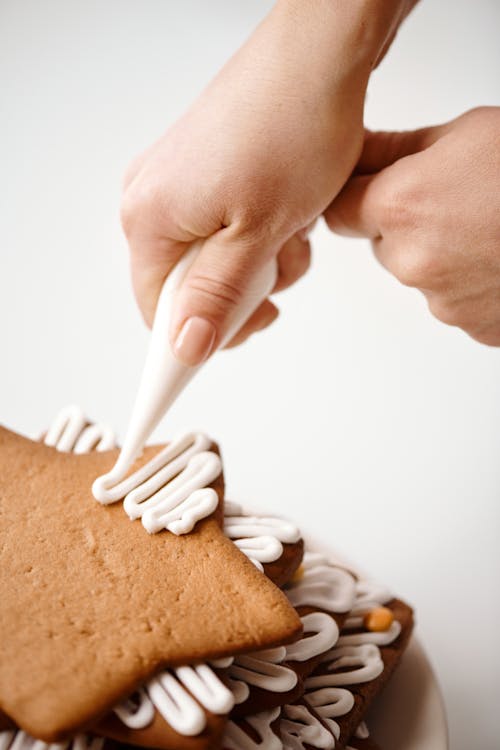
208 306
265 314
151 261
383 148
294 260
354 212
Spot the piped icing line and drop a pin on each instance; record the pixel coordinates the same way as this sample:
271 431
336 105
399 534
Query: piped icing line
171 491
300 728
19 740
179 695
264 669
369 595
235 738
260 538
325 633
71 432
330 703
365 662
323 585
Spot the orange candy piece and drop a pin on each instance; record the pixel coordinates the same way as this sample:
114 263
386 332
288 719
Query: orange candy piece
298 575
378 619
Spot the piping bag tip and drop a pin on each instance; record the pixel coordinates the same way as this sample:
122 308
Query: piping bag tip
164 376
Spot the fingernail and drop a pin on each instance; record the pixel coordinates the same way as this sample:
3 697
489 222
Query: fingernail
195 341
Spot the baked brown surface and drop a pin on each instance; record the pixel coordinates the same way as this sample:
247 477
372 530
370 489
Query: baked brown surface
92 605
365 693
282 570
367 743
160 734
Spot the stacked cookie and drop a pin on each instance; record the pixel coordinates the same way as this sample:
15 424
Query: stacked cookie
222 634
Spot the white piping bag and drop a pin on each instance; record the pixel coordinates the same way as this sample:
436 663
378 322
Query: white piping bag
164 377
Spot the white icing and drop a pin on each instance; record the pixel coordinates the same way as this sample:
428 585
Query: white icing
240 526
137 711
362 731
264 670
204 684
299 727
175 704
239 689
170 491
167 693
382 638
71 432
19 740
260 549
235 738
366 662
223 662
325 631
369 595
330 703
323 585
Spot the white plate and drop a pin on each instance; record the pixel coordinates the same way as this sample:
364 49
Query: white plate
410 714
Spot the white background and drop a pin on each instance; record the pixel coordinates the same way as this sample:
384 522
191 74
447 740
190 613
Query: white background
357 414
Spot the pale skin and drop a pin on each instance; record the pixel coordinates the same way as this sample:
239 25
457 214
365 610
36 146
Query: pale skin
264 150
429 201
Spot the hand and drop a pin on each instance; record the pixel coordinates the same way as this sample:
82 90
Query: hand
429 201
251 165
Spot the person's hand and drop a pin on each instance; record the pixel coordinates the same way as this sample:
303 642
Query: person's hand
429 201
253 162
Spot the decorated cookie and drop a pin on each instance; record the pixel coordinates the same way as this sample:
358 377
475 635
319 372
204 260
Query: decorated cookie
262 680
257 732
274 545
353 673
78 578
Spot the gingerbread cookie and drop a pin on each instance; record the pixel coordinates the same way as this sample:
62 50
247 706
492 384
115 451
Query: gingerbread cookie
274 545
256 732
353 673
69 584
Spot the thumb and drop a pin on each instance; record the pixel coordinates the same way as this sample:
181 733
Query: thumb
382 148
208 302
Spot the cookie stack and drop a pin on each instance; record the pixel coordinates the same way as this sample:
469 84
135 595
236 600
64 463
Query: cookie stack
224 634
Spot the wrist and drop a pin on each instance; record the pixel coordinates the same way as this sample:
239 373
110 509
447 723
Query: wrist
347 34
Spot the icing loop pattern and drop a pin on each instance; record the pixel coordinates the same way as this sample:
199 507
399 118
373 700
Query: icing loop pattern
325 636
137 711
260 538
171 694
236 738
263 669
330 703
366 662
170 491
299 728
323 585
70 432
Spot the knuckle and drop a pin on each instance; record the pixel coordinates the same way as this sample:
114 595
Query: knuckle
396 209
143 204
447 312
417 268
224 294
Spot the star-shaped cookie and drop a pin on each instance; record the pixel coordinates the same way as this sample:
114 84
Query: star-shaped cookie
91 605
